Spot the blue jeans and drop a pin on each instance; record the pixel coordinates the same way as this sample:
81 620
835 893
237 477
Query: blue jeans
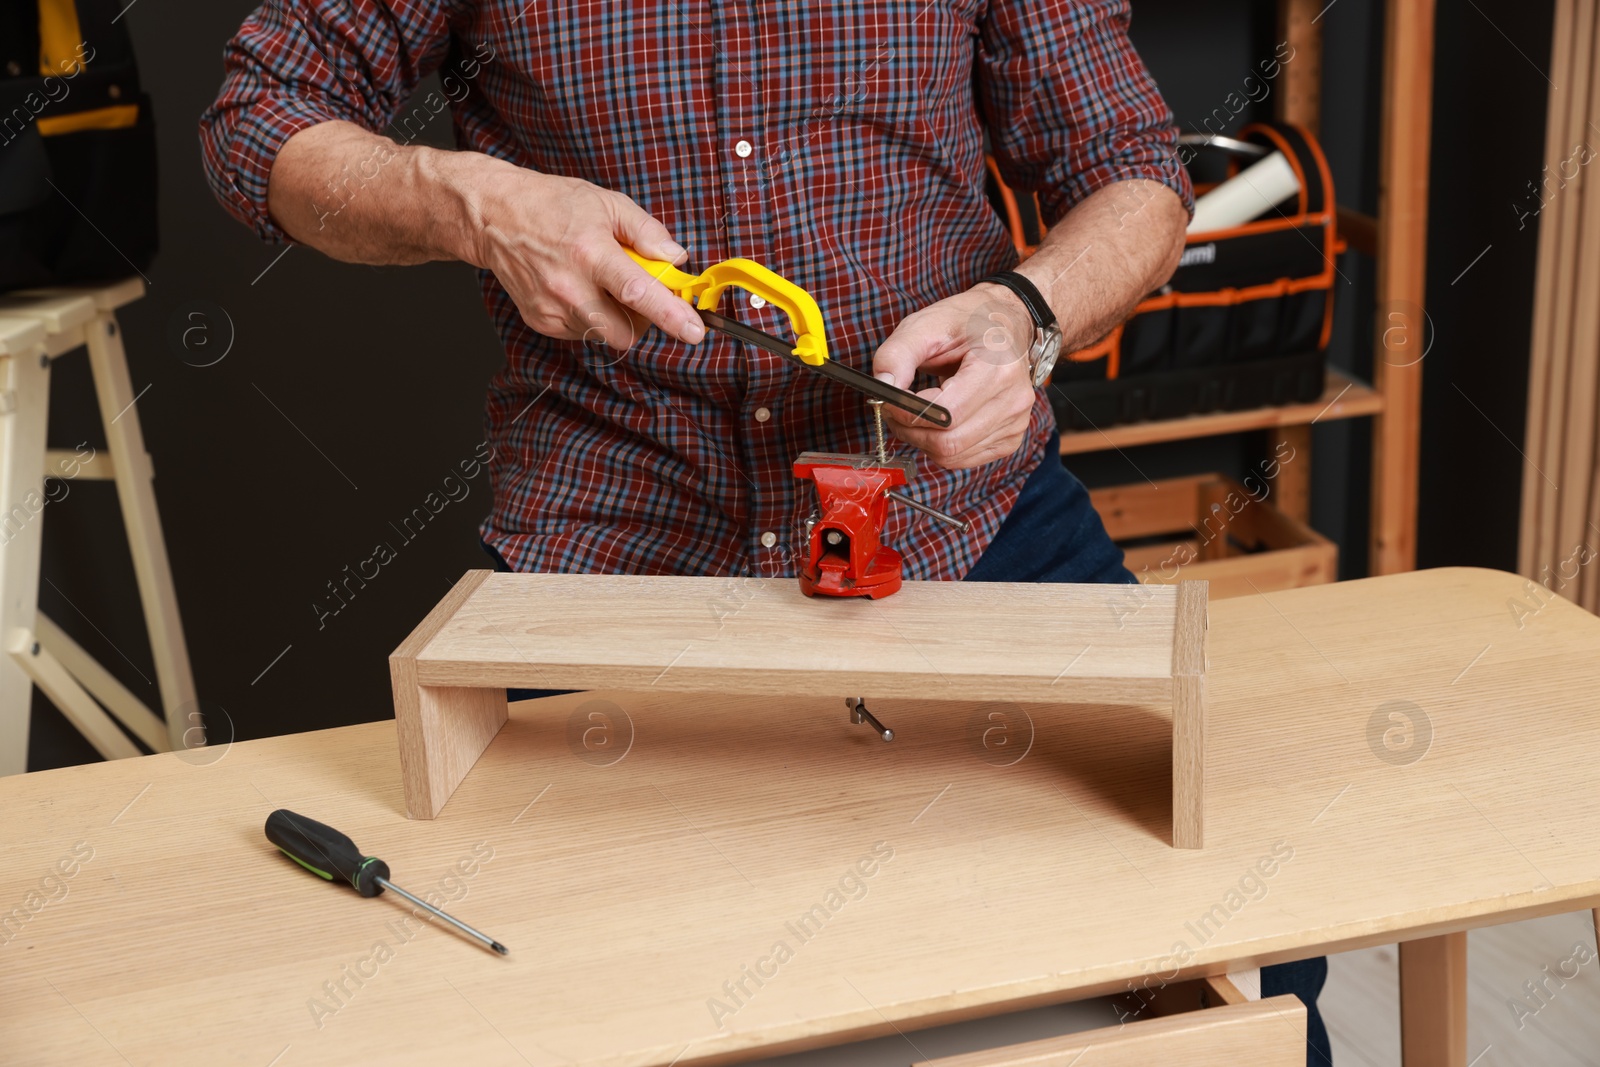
1053 534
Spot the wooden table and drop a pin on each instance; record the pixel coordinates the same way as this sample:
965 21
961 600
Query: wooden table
643 853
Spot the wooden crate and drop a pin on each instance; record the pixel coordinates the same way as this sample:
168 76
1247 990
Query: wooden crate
1209 526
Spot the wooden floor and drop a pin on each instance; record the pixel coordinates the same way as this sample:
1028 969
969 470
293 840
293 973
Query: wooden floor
1360 1005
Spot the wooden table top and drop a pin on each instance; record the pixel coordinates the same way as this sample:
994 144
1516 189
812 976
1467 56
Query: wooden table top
642 872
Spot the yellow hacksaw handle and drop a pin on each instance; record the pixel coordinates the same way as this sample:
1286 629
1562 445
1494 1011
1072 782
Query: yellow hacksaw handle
705 289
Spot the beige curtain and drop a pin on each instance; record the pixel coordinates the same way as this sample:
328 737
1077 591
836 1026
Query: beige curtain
1560 534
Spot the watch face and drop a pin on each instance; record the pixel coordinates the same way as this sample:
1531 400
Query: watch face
1049 348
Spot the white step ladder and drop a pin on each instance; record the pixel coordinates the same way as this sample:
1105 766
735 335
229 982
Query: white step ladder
36 328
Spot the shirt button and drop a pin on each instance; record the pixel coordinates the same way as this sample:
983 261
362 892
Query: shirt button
742 149
769 539
762 414
757 300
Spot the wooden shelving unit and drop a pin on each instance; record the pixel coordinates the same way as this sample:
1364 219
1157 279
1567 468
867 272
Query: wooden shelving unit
1397 239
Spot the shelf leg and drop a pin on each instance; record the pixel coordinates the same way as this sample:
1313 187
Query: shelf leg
1300 93
442 730
1402 251
1189 716
1290 448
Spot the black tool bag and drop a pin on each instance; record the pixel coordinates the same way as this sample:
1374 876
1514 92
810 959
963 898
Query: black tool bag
77 146
1243 323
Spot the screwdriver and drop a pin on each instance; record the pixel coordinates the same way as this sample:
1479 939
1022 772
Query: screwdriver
324 851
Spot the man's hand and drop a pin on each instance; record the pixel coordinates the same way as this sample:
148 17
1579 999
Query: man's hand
555 243
1095 265
977 344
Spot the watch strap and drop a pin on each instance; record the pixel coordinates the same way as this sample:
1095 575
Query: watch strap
1043 317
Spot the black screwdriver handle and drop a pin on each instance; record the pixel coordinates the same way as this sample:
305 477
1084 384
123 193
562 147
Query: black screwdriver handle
322 850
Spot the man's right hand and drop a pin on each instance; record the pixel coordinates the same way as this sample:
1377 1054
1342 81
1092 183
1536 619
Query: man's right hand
555 243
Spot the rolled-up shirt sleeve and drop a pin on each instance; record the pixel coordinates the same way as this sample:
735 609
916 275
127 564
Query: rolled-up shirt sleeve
298 63
1069 104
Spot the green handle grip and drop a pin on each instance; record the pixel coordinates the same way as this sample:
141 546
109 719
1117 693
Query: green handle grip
324 851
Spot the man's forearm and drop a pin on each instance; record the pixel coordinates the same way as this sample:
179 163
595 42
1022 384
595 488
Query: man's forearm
555 244
1110 252
360 197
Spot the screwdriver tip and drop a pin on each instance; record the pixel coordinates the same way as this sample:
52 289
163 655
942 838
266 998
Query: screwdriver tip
498 947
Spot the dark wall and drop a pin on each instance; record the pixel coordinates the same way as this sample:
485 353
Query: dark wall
1490 97
349 393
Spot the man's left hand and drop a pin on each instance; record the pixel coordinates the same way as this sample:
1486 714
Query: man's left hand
977 344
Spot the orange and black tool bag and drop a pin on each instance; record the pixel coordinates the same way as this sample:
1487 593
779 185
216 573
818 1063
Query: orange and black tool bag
77 146
1243 323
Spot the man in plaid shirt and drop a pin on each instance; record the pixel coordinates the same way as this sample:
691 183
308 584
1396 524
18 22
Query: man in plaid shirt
839 143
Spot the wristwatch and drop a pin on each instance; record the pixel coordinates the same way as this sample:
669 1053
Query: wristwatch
1046 332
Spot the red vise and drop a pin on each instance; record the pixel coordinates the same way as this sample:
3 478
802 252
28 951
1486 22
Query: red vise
846 555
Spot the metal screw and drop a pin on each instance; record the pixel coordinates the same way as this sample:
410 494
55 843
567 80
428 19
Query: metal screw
859 714
931 512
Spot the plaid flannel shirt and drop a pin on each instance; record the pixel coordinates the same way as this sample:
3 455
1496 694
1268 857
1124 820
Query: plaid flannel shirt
838 142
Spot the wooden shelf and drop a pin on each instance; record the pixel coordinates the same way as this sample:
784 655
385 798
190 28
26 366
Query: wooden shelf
1121 644
1343 398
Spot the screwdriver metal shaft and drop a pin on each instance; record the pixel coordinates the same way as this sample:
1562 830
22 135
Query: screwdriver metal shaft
451 919
327 853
